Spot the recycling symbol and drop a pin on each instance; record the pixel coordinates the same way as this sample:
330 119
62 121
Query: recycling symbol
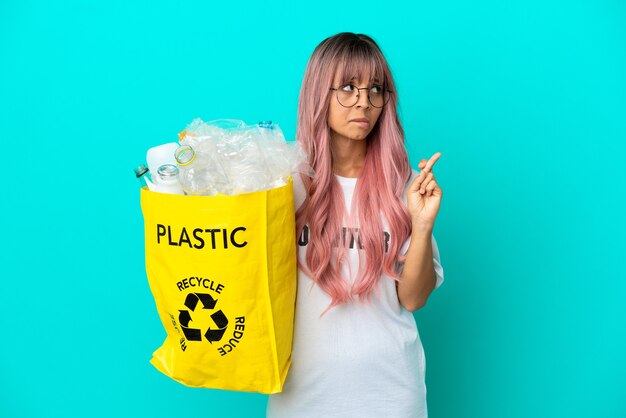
195 334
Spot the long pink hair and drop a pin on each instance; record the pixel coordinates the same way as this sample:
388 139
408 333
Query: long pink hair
379 187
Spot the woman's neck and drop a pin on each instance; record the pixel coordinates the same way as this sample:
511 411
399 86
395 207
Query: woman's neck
348 156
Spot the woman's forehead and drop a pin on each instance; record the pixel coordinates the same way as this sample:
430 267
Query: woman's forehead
356 75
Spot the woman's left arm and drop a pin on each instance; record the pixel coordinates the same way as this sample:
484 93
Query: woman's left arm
418 277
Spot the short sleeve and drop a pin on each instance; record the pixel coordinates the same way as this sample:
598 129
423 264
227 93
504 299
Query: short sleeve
437 263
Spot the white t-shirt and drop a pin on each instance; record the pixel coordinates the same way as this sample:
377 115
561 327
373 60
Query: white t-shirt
359 360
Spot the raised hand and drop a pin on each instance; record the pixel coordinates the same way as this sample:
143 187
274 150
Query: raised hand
424 195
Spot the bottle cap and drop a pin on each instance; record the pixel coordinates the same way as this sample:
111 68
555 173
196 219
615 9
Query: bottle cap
168 172
184 155
141 170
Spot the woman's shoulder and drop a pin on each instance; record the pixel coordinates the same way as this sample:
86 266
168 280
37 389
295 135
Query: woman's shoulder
300 193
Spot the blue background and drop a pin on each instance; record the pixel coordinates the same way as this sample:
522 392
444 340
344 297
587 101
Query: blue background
526 101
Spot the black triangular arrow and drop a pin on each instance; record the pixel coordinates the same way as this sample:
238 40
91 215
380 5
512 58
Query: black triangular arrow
220 319
192 334
191 301
222 322
184 318
214 334
207 301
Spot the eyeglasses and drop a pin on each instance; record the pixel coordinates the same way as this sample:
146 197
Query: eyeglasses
348 95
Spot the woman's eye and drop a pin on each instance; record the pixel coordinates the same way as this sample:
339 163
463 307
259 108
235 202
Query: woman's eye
376 89
347 87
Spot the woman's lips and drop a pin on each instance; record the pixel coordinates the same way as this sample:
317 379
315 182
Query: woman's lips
361 122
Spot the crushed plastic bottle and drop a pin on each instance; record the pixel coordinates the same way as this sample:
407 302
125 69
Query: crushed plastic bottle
275 152
242 158
197 172
229 157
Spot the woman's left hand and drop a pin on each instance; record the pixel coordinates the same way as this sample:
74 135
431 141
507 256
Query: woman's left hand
424 195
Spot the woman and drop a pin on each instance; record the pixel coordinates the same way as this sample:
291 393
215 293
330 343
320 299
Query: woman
366 254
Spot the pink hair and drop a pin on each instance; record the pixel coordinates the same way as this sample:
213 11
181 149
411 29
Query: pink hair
379 187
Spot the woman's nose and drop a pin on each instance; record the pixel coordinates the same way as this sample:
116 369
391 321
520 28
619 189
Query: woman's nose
363 99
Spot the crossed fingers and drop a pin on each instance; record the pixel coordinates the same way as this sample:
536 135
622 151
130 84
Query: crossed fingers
425 181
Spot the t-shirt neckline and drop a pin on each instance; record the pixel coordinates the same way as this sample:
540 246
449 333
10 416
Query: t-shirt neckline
346 180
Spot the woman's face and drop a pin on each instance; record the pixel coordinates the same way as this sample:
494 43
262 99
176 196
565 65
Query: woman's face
356 122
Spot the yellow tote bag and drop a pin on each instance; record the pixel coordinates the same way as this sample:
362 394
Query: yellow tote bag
222 270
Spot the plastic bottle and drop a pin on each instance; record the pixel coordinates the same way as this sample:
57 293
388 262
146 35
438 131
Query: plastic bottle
160 155
143 174
168 180
275 152
195 176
